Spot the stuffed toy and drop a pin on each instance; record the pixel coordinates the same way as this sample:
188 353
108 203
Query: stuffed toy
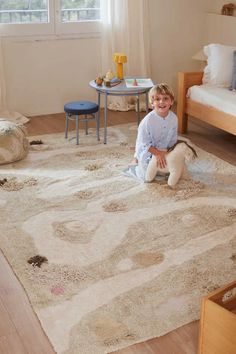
176 157
228 9
14 145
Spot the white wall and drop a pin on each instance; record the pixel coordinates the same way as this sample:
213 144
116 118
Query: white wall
176 29
220 29
216 5
42 75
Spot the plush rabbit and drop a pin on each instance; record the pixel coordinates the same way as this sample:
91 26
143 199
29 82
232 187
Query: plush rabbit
175 159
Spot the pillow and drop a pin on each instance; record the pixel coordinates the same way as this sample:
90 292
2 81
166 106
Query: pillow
219 65
233 84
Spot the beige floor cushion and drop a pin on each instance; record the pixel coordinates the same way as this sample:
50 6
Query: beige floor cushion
14 145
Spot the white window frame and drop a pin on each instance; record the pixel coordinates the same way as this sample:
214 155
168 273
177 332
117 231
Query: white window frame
53 28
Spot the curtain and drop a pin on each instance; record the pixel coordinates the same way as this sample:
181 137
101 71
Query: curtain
5 113
2 81
125 29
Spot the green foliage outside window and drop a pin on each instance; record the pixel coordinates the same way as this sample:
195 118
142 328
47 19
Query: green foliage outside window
42 4
35 11
23 4
70 4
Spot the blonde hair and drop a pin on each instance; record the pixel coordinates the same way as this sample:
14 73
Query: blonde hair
160 89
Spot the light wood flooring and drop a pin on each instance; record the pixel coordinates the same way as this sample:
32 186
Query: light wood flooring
20 330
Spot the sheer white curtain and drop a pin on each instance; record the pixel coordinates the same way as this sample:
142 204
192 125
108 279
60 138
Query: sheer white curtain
2 80
4 109
125 29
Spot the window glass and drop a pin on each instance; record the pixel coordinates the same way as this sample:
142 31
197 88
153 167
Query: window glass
49 17
23 11
80 10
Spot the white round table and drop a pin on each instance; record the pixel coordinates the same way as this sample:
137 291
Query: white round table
119 90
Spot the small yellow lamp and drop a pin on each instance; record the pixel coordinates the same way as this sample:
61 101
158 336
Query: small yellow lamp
119 59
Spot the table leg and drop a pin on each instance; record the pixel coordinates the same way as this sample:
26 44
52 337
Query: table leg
138 109
98 115
105 119
99 102
147 102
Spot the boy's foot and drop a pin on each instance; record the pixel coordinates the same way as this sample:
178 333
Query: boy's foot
134 162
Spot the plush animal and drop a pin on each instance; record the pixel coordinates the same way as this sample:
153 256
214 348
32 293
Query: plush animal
14 145
228 9
37 260
176 157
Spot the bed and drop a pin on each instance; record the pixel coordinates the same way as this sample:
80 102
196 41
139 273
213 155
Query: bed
217 75
189 107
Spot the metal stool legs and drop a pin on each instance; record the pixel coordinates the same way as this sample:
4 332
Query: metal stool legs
77 129
67 125
95 116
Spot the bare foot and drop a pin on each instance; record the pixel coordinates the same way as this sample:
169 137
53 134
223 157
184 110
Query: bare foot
134 162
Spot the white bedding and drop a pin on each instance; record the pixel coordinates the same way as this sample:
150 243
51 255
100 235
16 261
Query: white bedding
217 97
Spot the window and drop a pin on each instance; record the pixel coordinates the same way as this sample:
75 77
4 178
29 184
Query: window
75 10
23 11
32 17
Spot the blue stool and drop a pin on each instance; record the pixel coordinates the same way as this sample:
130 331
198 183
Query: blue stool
89 111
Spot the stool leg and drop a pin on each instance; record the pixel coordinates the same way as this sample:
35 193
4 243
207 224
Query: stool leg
97 118
86 125
67 125
77 129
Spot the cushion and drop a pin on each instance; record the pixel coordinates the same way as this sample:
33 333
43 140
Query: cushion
81 107
14 145
233 84
219 67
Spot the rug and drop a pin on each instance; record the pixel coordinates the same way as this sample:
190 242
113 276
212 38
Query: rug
125 261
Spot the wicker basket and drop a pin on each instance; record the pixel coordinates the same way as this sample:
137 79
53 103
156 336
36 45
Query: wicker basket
218 322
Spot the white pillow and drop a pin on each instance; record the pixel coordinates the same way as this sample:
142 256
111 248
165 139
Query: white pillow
219 67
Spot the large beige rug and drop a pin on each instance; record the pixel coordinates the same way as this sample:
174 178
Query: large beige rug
127 261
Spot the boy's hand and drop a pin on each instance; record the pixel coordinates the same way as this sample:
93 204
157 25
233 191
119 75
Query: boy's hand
160 155
161 160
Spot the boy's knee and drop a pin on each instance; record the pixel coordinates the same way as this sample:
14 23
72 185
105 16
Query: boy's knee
149 178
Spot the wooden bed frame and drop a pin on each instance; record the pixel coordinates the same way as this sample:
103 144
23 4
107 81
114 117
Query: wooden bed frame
187 107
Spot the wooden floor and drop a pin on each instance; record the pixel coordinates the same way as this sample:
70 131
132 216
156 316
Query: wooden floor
20 330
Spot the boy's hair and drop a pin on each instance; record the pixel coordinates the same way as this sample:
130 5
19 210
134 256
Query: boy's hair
160 89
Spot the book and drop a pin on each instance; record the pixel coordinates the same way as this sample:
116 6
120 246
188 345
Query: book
115 81
131 83
112 82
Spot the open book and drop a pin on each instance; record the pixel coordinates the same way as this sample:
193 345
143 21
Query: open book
131 83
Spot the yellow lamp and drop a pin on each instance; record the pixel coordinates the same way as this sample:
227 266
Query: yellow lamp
119 59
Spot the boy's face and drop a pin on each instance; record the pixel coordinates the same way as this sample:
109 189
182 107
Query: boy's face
162 104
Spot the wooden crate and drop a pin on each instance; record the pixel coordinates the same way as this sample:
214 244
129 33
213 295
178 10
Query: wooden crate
218 322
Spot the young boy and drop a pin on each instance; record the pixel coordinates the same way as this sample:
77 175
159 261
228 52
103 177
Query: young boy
157 131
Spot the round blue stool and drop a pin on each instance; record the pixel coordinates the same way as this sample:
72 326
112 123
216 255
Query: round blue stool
88 111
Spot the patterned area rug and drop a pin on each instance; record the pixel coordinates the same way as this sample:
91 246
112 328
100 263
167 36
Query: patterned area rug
126 260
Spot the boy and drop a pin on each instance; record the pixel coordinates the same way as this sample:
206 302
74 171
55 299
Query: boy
157 131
